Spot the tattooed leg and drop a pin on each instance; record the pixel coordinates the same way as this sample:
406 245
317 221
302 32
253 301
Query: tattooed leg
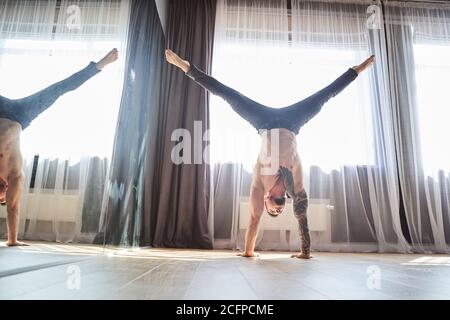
300 208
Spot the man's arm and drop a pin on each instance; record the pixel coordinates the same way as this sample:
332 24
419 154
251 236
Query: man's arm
256 211
300 200
15 181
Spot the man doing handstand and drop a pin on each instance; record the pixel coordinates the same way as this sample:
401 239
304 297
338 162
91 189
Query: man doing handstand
279 127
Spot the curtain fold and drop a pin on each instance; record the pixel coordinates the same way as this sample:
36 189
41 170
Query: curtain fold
126 210
418 39
151 201
181 191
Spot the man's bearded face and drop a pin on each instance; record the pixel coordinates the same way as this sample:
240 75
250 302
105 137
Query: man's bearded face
275 199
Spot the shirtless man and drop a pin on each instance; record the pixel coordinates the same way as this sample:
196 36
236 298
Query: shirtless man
15 116
278 128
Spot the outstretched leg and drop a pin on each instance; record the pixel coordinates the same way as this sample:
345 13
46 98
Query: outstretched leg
256 114
303 111
27 109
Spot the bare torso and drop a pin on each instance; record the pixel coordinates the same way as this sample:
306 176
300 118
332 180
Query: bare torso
10 155
278 149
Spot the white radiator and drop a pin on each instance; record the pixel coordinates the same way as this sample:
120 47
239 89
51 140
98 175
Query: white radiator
49 207
319 218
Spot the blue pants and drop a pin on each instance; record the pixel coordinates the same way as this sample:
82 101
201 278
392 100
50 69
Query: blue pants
262 117
27 109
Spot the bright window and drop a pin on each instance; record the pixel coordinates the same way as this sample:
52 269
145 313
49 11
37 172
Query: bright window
340 135
79 123
432 76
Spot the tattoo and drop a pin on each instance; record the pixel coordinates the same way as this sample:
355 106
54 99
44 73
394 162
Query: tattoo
288 179
300 208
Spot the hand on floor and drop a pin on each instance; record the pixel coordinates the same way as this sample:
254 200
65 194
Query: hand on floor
16 244
302 256
248 255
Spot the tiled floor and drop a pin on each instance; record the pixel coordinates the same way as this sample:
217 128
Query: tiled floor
56 271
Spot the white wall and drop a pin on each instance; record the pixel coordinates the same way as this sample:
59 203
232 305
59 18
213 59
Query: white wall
162 11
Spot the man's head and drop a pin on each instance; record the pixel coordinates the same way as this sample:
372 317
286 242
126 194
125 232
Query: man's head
275 198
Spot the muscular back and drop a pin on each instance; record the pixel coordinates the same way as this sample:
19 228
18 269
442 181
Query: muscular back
10 156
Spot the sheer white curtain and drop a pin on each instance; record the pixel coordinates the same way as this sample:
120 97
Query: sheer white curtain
66 149
354 130
278 56
419 43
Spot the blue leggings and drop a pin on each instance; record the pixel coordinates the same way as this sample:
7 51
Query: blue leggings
262 117
27 109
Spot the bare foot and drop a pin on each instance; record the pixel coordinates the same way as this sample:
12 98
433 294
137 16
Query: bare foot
301 256
248 255
174 59
16 244
363 66
112 56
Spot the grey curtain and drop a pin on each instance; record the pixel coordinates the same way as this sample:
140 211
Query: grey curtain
129 183
400 45
179 203
424 194
150 201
